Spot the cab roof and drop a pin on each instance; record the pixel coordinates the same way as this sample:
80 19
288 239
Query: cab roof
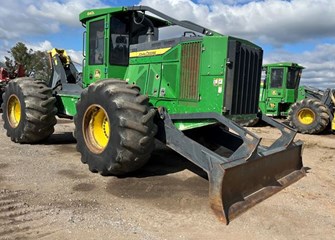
94 13
163 20
283 64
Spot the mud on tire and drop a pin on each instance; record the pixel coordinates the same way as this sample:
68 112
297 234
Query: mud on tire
28 110
114 127
309 116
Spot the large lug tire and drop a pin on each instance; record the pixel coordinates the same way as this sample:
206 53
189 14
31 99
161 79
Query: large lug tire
114 127
309 116
28 110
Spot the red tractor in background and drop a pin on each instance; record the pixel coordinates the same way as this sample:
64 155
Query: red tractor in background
6 76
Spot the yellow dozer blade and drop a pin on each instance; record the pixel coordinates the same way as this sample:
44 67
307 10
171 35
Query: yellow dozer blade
241 172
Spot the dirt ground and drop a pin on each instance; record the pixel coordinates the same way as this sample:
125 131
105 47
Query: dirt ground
47 193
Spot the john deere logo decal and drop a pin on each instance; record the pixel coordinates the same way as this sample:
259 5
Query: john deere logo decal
97 73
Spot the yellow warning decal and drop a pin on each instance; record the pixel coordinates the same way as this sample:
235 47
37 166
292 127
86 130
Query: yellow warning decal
148 53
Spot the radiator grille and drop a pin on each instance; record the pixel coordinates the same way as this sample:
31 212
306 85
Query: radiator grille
189 77
243 78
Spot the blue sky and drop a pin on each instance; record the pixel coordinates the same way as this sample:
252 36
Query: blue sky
298 30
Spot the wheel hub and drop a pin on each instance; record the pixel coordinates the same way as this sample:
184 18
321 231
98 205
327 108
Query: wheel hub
14 111
96 128
306 116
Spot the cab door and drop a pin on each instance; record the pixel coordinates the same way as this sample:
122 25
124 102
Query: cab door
292 84
96 59
276 90
276 82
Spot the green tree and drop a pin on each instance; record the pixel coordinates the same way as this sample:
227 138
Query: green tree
35 63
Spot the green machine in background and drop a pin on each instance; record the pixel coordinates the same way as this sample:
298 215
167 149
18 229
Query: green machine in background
185 91
309 110
280 88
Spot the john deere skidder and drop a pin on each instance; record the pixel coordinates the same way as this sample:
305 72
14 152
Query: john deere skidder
309 110
184 91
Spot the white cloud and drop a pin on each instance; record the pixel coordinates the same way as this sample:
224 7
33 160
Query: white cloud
76 56
66 12
319 64
41 46
15 21
228 2
276 22
28 18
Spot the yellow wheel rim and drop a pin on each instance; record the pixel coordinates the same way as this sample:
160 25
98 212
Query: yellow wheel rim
96 128
14 111
306 116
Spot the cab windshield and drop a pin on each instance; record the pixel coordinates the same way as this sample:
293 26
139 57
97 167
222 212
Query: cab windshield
126 30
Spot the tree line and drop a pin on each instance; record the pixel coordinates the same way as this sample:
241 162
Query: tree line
35 63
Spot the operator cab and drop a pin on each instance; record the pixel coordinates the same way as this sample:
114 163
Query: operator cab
125 29
113 34
280 88
109 38
282 75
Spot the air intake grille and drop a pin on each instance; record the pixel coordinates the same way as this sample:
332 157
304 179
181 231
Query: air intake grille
243 78
189 77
